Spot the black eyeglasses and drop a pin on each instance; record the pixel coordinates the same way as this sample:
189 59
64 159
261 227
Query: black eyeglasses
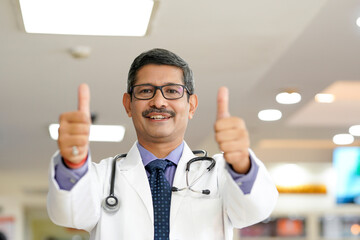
148 91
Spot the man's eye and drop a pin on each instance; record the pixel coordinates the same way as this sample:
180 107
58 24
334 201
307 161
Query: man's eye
173 90
146 90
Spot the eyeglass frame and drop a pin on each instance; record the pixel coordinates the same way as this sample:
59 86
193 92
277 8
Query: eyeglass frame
160 88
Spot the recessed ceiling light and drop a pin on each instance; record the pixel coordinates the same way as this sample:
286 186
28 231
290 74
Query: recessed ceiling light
288 97
98 133
358 22
269 115
324 98
355 130
85 17
343 139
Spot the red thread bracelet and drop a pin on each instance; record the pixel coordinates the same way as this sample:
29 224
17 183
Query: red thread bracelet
75 165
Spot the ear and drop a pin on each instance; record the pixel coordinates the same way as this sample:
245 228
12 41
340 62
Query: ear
193 101
127 103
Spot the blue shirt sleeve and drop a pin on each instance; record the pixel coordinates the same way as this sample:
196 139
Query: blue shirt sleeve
68 177
245 181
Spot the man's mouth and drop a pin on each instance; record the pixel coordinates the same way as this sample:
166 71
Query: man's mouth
158 114
158 117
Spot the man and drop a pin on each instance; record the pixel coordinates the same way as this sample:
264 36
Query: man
160 100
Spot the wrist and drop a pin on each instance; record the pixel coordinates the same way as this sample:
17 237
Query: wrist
242 167
72 165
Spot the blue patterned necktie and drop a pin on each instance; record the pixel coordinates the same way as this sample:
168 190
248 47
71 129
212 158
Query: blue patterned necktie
161 195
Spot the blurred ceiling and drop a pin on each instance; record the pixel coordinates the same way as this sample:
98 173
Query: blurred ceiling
256 48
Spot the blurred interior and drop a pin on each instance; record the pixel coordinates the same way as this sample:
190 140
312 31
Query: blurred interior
256 48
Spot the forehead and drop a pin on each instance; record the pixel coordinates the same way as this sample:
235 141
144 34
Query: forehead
159 74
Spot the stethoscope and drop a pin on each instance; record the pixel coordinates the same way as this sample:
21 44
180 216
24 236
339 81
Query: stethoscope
111 203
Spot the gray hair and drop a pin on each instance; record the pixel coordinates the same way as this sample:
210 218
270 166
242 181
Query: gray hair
161 57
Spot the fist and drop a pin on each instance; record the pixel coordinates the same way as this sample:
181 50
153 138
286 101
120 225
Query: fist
74 128
231 135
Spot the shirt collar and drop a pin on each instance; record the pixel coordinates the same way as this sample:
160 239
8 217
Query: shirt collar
147 157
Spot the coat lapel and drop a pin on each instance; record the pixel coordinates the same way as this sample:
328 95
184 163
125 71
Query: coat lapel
133 170
180 182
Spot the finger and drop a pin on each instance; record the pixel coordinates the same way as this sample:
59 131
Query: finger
84 99
68 141
223 103
67 153
75 129
229 123
234 146
73 117
229 135
233 157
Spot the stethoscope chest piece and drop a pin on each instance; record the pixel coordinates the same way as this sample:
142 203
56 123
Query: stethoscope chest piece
111 204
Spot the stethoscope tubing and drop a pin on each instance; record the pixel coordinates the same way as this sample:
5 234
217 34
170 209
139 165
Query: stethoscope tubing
113 170
111 204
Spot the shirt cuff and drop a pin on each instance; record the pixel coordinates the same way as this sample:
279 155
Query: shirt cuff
245 181
68 177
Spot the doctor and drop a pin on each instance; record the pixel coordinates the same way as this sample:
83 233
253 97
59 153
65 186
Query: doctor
160 100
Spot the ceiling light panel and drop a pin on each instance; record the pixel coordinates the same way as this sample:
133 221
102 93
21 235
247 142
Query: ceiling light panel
288 97
98 133
343 139
355 130
269 115
324 98
87 17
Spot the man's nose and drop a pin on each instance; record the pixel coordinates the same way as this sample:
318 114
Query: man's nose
158 100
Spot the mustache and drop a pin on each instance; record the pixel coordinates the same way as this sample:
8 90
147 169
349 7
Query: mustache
158 110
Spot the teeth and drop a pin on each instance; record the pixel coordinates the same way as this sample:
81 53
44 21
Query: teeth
157 117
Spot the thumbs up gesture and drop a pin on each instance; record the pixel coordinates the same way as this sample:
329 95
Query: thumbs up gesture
74 129
231 135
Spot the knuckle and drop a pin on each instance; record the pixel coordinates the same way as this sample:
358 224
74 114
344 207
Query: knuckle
218 137
87 129
216 126
84 118
64 117
83 141
224 147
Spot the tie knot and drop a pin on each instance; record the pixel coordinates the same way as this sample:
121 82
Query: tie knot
157 164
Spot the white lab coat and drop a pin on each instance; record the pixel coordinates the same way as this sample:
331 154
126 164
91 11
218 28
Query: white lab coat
192 215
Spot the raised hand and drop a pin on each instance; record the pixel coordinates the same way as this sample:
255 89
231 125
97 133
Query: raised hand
74 129
231 134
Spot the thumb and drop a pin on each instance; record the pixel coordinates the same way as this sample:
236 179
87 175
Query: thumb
84 99
223 103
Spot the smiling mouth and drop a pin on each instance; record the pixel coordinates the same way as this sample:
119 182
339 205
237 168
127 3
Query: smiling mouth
158 117
158 114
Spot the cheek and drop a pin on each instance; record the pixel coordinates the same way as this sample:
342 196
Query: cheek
136 109
187 113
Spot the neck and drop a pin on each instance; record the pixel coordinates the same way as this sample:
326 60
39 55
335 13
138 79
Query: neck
161 149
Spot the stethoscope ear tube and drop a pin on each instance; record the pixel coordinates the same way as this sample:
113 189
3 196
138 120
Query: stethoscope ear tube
195 159
189 185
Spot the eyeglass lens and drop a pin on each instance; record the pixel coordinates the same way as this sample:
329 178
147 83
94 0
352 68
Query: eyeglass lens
173 91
